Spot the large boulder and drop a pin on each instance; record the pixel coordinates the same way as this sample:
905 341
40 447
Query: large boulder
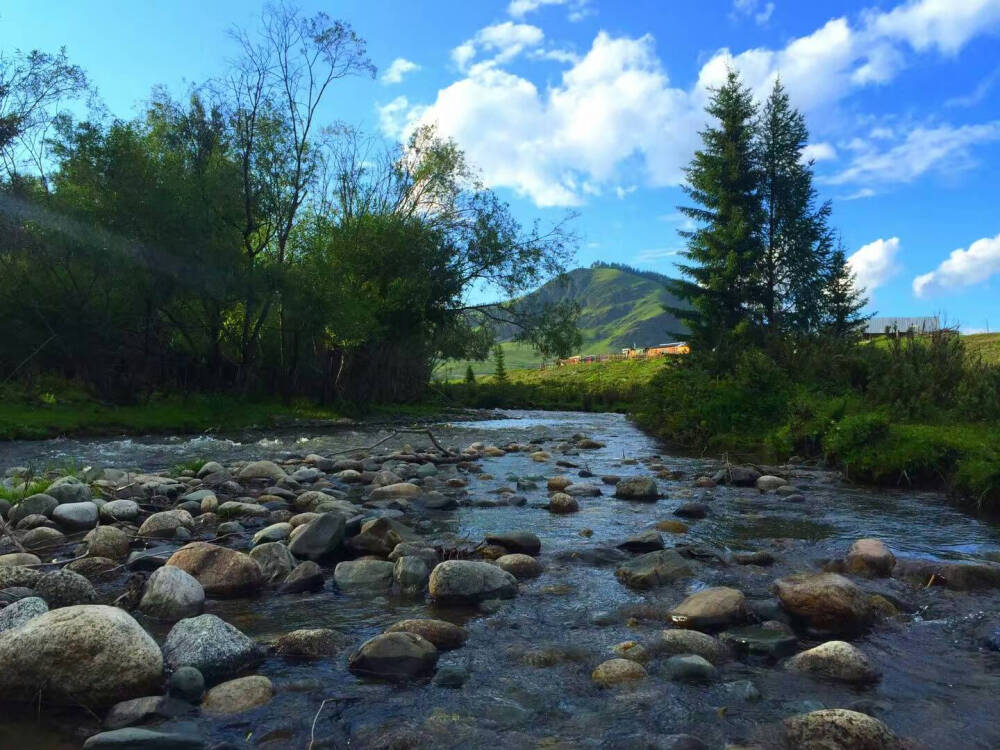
825 601
211 645
262 470
88 653
835 660
221 571
75 516
869 558
653 569
710 608
164 525
172 594
394 656
470 582
637 488
237 696
319 538
839 729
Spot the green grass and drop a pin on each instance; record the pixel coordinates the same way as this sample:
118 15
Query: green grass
19 492
985 345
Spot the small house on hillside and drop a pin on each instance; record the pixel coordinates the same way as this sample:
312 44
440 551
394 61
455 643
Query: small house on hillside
901 326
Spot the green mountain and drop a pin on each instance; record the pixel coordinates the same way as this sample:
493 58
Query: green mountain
620 307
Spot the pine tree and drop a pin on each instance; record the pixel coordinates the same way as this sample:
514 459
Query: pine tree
796 236
723 254
500 369
470 376
842 299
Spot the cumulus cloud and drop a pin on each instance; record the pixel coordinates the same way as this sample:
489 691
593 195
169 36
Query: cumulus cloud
614 116
398 69
962 268
875 263
923 149
578 9
819 152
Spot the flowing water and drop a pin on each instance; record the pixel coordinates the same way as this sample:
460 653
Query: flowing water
530 661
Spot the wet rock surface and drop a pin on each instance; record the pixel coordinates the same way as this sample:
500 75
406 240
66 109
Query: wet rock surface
504 595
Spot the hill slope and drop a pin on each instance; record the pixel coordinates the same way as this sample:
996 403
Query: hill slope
619 308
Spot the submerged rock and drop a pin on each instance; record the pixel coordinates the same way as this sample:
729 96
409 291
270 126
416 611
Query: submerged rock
839 729
653 569
617 672
680 642
311 643
637 488
237 696
396 656
710 608
836 660
137 738
689 668
520 566
444 635
516 541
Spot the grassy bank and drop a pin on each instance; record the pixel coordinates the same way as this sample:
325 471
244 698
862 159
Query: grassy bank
68 411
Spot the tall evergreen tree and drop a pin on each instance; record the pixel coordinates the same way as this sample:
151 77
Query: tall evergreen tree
796 236
499 366
723 253
842 300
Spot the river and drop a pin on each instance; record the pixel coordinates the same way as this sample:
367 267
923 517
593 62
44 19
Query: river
530 662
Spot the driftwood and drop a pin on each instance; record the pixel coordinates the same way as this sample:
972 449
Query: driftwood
396 433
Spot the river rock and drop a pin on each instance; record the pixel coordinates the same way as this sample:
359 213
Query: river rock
653 569
835 660
172 594
313 643
75 516
379 536
211 645
710 608
645 541
691 509
583 490
371 576
18 559
688 668
562 503
769 483
45 655
306 576
839 729
617 672
107 541
64 588
18 576
680 642
399 490
444 635
958 576
164 525
262 470
276 532
470 582
145 709
761 640
516 541
40 504
237 696
69 490
826 601
137 738
637 488
520 566
558 483
186 684
394 656
275 561
221 571
411 573
93 568
16 614
870 558
737 476
319 538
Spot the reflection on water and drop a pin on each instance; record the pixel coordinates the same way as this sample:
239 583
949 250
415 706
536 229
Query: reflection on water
530 662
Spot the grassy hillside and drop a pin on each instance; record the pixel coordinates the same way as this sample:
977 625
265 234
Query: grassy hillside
985 345
618 309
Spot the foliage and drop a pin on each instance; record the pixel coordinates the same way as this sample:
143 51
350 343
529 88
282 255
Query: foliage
499 368
470 376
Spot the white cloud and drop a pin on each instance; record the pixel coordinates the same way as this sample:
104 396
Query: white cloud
875 263
614 117
394 117
962 268
978 94
398 69
505 41
819 152
758 10
941 148
578 9
655 254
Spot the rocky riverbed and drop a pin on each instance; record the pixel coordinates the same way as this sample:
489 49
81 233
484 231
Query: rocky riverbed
535 581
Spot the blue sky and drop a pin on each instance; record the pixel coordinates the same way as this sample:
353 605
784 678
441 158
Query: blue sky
594 106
